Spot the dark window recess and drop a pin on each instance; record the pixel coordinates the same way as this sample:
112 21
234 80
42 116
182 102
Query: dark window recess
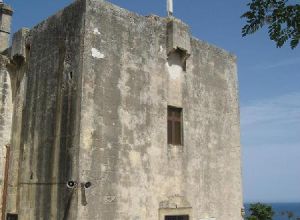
70 75
174 125
177 217
178 57
11 216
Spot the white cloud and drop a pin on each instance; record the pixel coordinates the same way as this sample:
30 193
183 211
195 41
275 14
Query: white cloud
271 149
282 63
282 109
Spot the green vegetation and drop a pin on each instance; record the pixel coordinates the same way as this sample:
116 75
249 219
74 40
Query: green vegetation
260 211
252 218
280 16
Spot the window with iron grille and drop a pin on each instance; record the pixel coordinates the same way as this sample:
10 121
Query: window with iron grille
177 217
174 125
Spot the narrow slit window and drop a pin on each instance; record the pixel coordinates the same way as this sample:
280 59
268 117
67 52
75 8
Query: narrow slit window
174 125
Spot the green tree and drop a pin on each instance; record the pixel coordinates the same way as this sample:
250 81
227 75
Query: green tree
252 218
260 211
280 16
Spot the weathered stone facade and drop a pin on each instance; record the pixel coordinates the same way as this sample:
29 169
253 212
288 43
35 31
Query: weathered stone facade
84 98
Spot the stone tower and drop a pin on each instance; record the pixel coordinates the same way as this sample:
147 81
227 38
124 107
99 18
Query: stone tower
6 105
5 23
119 116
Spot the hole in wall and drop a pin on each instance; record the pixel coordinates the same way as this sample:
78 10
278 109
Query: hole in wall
28 47
178 57
71 75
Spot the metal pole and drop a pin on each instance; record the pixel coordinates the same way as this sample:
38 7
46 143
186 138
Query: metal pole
170 7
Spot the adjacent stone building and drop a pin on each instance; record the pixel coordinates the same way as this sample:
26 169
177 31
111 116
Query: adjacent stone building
109 115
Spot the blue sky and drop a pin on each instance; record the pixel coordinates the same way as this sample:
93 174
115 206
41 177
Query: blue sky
269 80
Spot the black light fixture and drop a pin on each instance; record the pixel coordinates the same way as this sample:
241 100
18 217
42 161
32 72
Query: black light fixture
87 185
71 184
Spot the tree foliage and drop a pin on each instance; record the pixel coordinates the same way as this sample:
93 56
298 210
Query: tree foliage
281 17
252 218
260 211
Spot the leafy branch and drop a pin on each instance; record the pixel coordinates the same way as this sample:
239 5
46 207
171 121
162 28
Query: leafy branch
282 19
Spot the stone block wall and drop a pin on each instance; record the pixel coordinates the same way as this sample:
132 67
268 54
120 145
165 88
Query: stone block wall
6 109
44 144
128 81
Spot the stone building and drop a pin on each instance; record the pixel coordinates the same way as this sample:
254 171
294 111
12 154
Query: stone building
109 115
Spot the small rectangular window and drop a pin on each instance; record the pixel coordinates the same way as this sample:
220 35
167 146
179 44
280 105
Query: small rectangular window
11 216
177 217
174 125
